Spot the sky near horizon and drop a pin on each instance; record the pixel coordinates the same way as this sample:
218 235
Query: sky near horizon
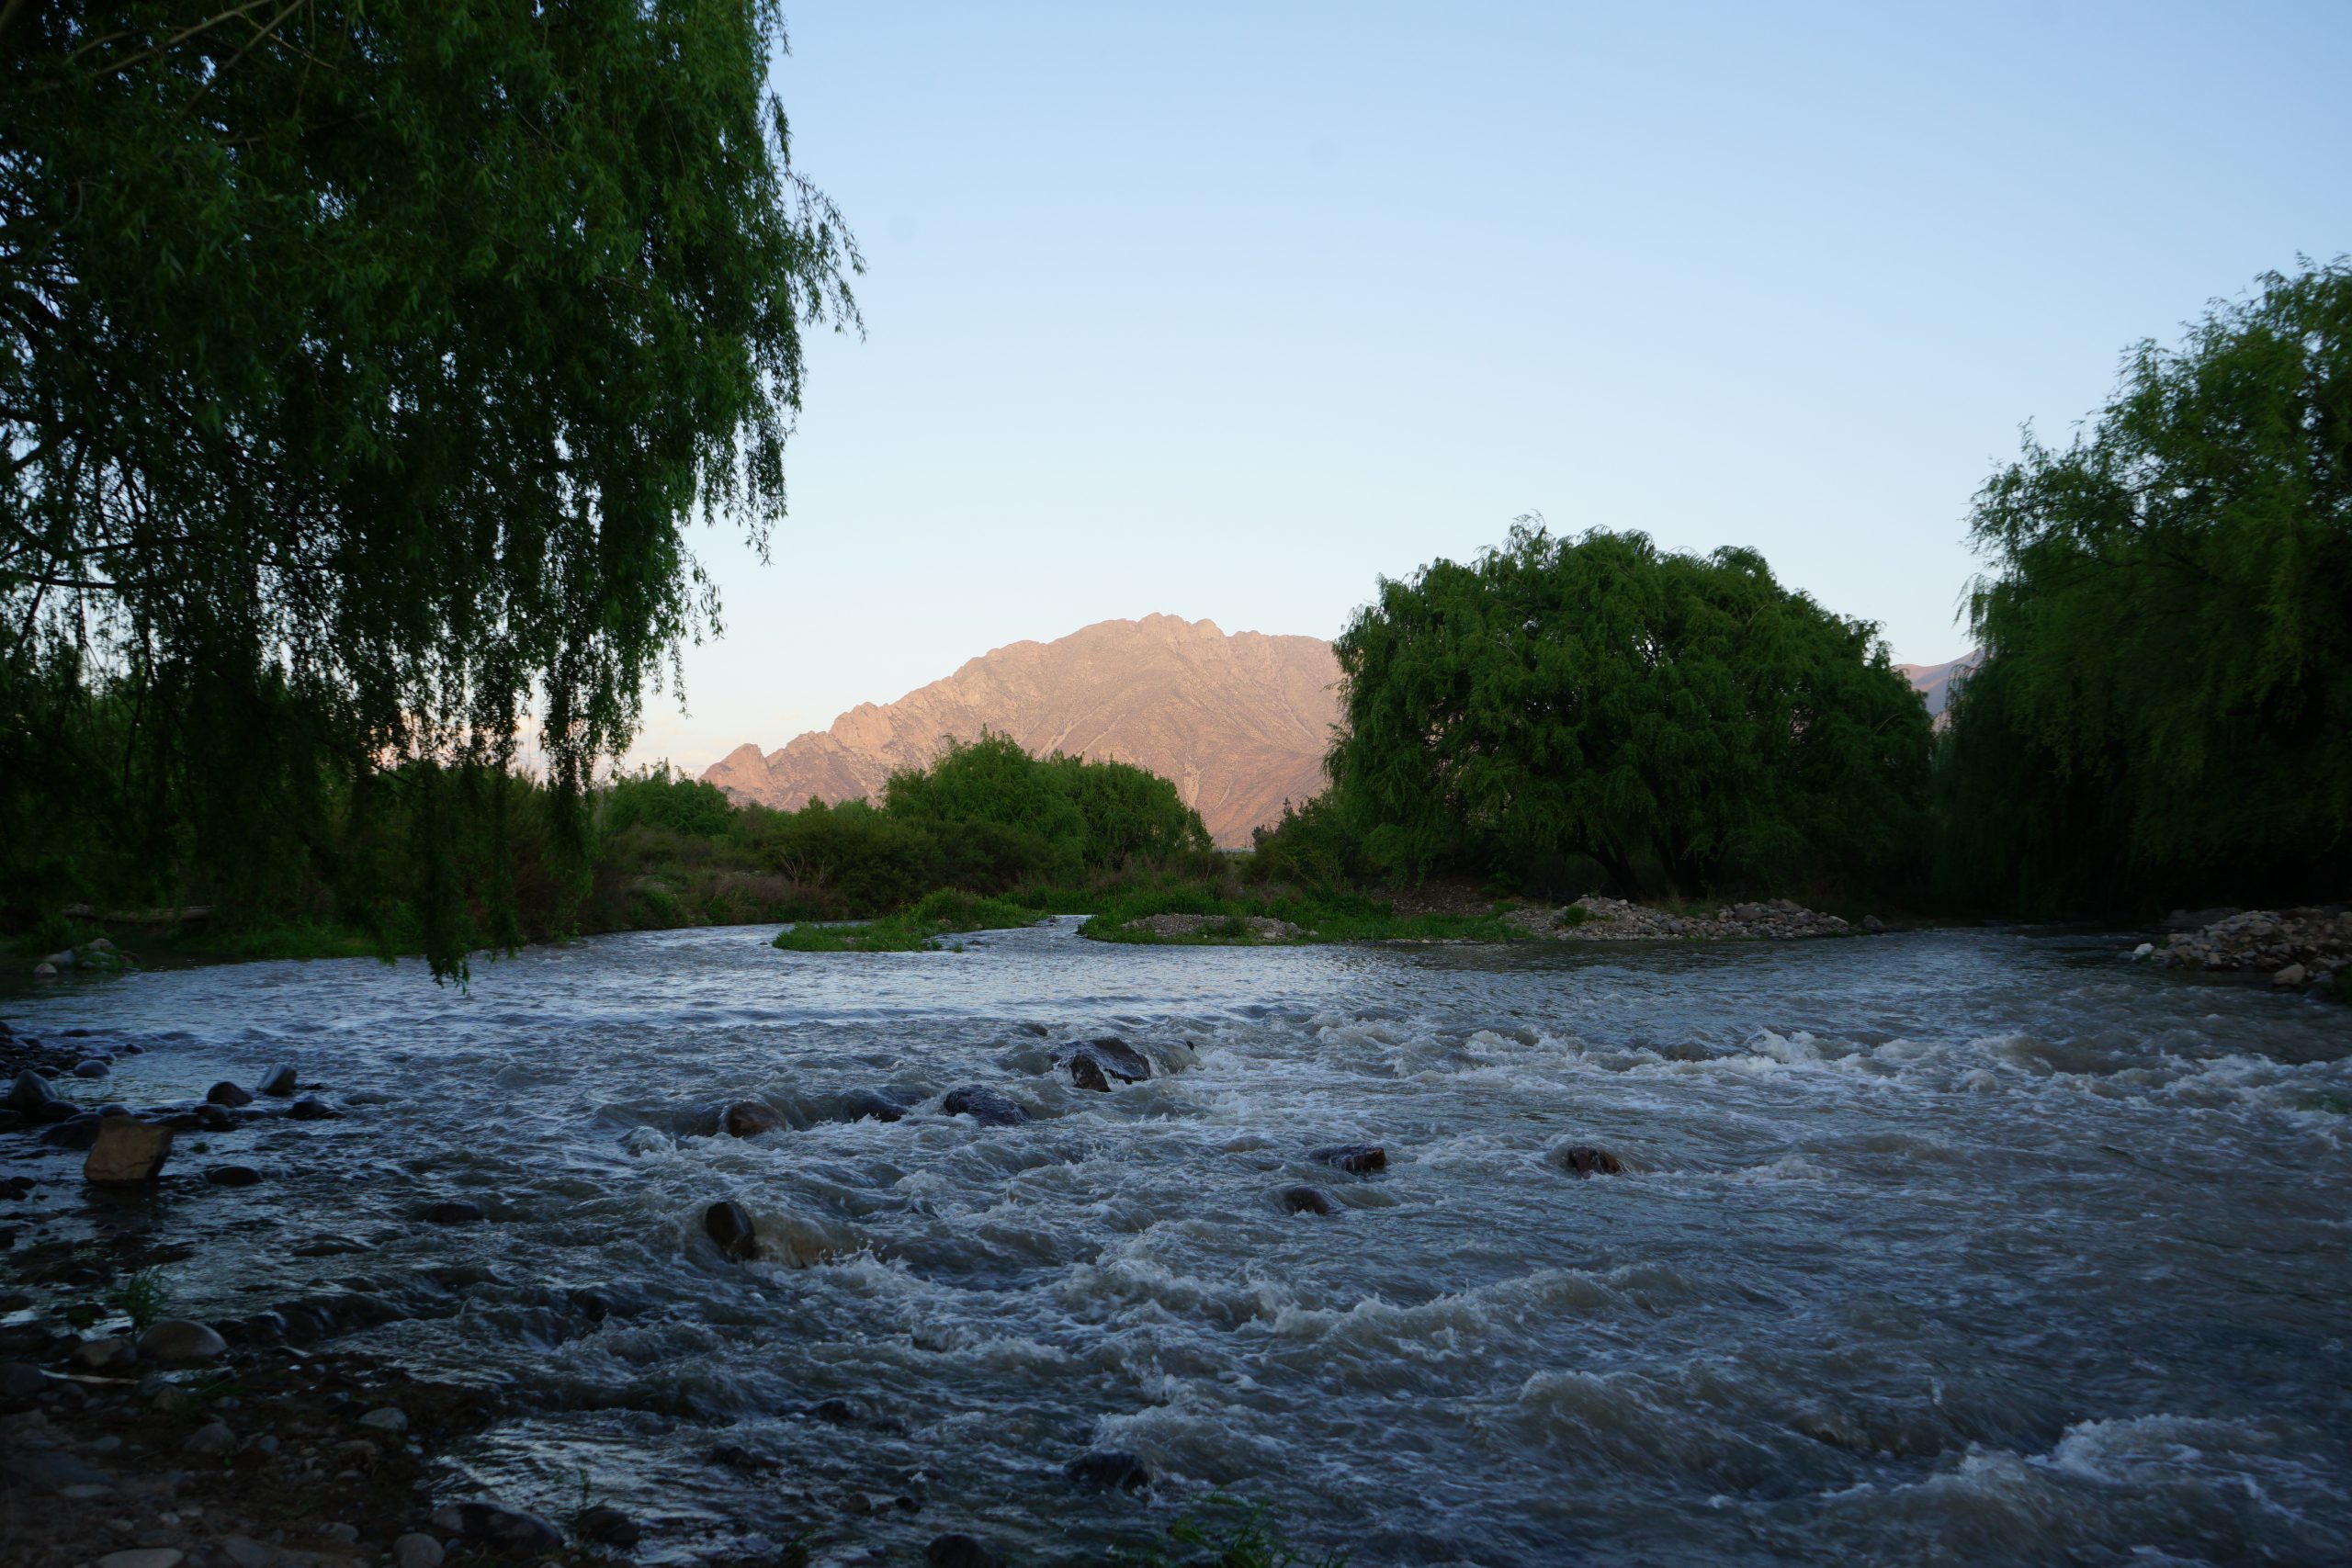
1229 310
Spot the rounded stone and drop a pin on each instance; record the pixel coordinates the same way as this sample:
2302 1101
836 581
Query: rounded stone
233 1176
416 1549
176 1339
226 1093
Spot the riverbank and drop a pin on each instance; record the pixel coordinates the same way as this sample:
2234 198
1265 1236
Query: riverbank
2308 948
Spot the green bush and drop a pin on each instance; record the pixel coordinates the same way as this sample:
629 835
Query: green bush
658 798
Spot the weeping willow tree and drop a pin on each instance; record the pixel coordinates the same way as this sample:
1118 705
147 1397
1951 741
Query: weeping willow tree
1667 716
362 366
2164 712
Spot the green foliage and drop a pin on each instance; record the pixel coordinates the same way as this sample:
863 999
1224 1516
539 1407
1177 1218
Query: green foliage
141 1298
1239 1535
1561 701
1331 915
361 368
657 797
2164 711
917 930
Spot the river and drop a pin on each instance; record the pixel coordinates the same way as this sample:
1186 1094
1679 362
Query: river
1954 1247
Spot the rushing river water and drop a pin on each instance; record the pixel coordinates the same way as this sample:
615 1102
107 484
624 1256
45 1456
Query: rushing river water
1948 1248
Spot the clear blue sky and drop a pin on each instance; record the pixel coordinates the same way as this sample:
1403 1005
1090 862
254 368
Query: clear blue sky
1226 311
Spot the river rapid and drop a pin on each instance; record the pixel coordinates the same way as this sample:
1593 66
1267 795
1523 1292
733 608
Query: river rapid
1957 1246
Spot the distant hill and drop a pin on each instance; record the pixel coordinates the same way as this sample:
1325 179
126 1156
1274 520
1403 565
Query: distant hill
1934 680
1240 722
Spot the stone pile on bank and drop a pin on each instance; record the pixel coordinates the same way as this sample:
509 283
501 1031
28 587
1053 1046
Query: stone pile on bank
1597 919
1258 927
2307 946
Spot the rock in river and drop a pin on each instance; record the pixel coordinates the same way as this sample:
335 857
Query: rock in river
526 1536
729 1223
1306 1200
1583 1159
1098 1064
984 1105
864 1105
455 1212
91 1068
228 1094
959 1551
311 1108
280 1081
608 1526
234 1176
30 1092
1108 1470
128 1150
176 1339
750 1118
1356 1159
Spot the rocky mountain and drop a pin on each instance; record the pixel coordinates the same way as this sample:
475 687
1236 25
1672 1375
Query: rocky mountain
1934 680
1239 721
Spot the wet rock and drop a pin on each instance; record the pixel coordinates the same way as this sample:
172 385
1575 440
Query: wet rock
213 1440
456 1212
225 1093
246 1552
30 1092
505 1529
144 1557
111 1354
177 1340
735 1457
1583 1159
233 1176
986 1106
608 1526
1098 1064
80 1132
19 1379
1872 923
959 1551
386 1418
729 1224
91 1068
2293 974
1306 1200
1356 1159
311 1108
47 1470
864 1105
837 1412
1108 1470
126 1151
749 1119
417 1550
279 1082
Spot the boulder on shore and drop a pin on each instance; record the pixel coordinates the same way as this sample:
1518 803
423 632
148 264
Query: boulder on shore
30 1093
176 1339
127 1151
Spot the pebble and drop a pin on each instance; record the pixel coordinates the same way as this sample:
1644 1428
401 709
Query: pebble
417 1550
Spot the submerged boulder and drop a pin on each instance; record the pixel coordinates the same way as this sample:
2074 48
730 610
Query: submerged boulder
750 1118
1583 1159
127 1151
866 1105
729 1224
1108 1470
958 1551
988 1107
455 1212
1356 1159
1306 1200
234 1176
311 1108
